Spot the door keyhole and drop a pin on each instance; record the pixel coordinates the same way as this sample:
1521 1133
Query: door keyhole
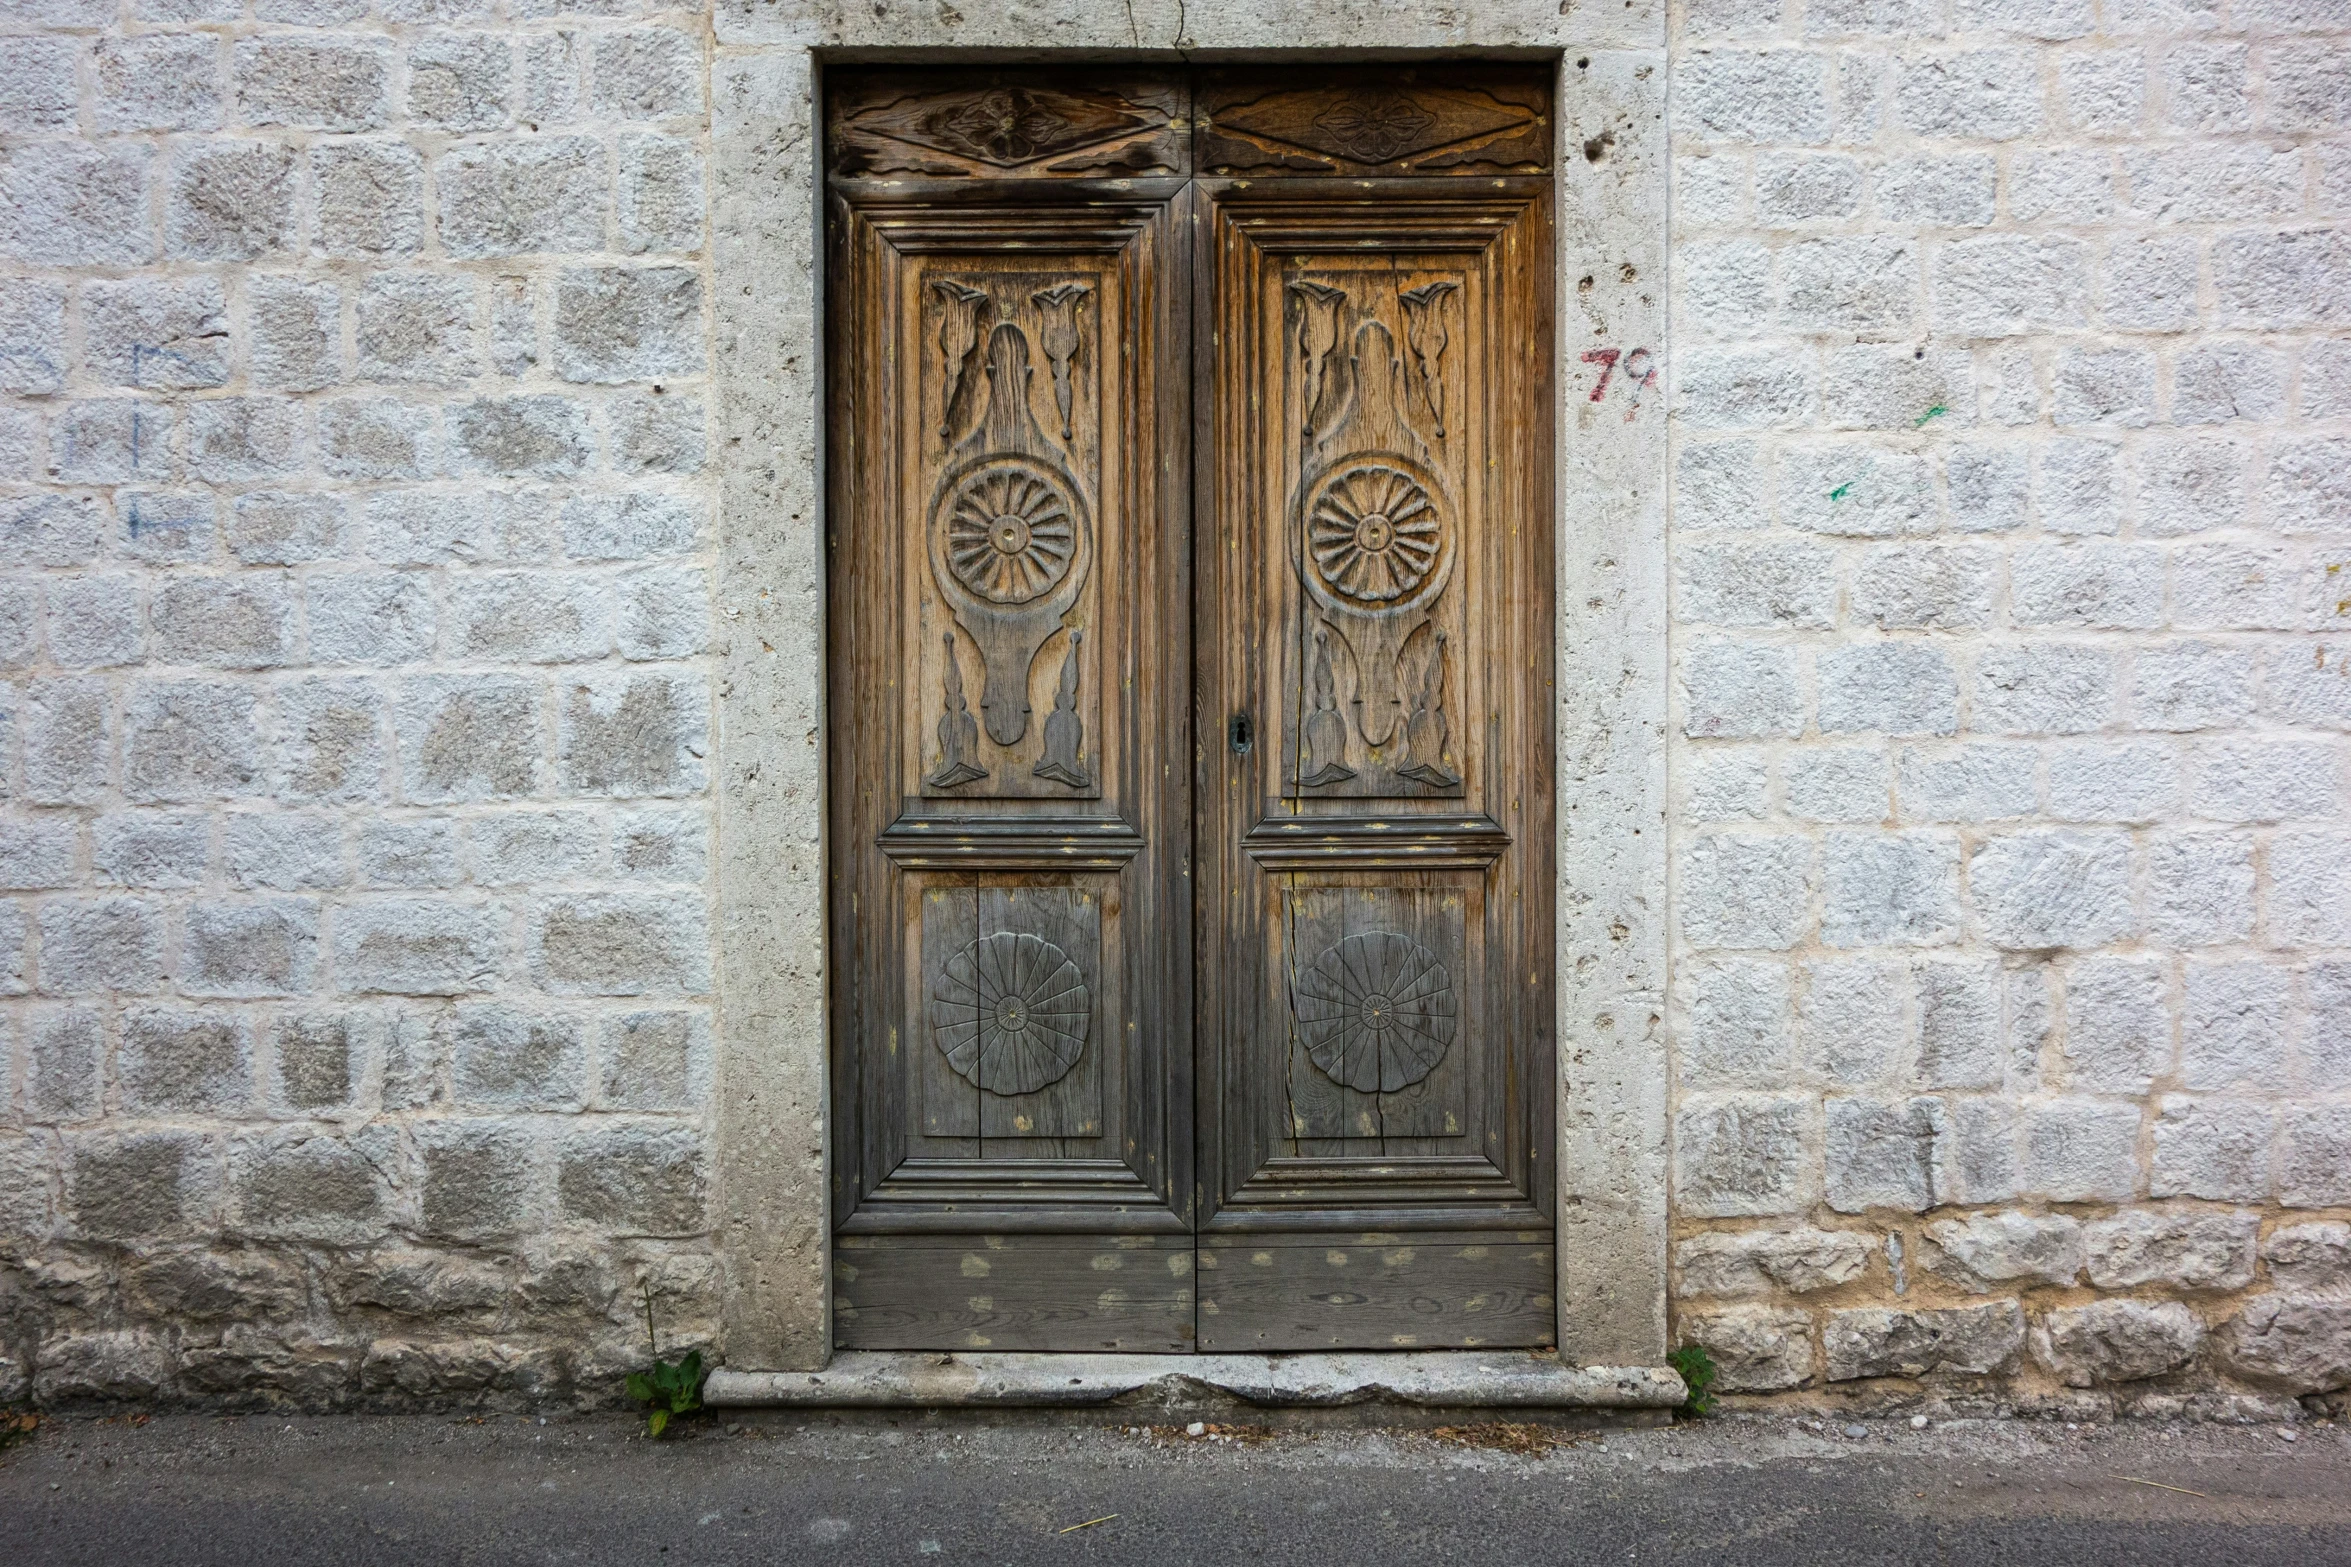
1241 735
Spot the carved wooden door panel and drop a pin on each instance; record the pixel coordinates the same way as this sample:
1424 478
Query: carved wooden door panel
1010 616
1374 629
1068 381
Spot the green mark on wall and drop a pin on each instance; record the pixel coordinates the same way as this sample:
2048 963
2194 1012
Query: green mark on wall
1935 412
1840 491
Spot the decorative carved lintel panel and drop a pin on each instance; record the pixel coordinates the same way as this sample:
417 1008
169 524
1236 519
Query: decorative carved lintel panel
965 124
1370 120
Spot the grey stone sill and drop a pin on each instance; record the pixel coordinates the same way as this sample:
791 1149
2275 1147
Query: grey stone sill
1436 1379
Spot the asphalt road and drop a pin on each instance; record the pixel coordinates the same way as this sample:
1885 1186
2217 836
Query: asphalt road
190 1490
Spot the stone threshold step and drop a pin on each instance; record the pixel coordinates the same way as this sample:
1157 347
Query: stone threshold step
1427 1379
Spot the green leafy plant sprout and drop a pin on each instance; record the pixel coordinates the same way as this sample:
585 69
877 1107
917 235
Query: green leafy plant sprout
1697 1373
670 1390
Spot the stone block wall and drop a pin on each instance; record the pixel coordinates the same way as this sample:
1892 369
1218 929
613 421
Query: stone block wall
354 543
357 629
2012 626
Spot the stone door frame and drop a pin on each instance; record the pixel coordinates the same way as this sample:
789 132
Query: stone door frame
773 1148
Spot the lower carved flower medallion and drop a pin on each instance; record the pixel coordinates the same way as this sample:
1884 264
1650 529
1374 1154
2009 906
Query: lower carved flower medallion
1009 1012
1376 1012
1011 531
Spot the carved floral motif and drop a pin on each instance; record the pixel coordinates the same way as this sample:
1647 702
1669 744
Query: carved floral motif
1426 335
1060 338
1373 533
1010 1012
959 732
1064 731
1374 130
1376 1012
1009 533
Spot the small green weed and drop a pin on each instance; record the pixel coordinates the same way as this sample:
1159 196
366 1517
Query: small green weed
1697 1372
671 1390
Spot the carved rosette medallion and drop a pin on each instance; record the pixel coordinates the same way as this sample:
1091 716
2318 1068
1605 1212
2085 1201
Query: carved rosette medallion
1374 535
1376 1012
1009 1012
1011 531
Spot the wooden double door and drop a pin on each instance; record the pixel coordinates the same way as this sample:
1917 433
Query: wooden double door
1191 651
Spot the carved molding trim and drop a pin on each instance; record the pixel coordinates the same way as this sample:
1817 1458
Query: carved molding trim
1009 843
1298 843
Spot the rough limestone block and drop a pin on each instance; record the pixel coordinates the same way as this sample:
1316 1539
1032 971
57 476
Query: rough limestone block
2217 1149
637 734
621 944
147 848
511 198
2116 1341
288 527
2300 1345
646 1178
250 949
655 1061
1746 1155
1755 1349
186 740
505 1059
2036 890
480 1179
2081 1150
230 201
418 947
157 82
330 741
469 737
1889 889
1746 890
1756 1262
2191 1251
1877 1341
92 946
1850 1022
1735 1024
313 84
370 198
1986 1250
618 324
296 1185
2310 1258
137 1186
540 437
2314 1156
175 1064
64 1060
71 204
317 1061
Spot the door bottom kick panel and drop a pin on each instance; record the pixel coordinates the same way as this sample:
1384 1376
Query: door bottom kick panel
1296 1293
1013 1292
